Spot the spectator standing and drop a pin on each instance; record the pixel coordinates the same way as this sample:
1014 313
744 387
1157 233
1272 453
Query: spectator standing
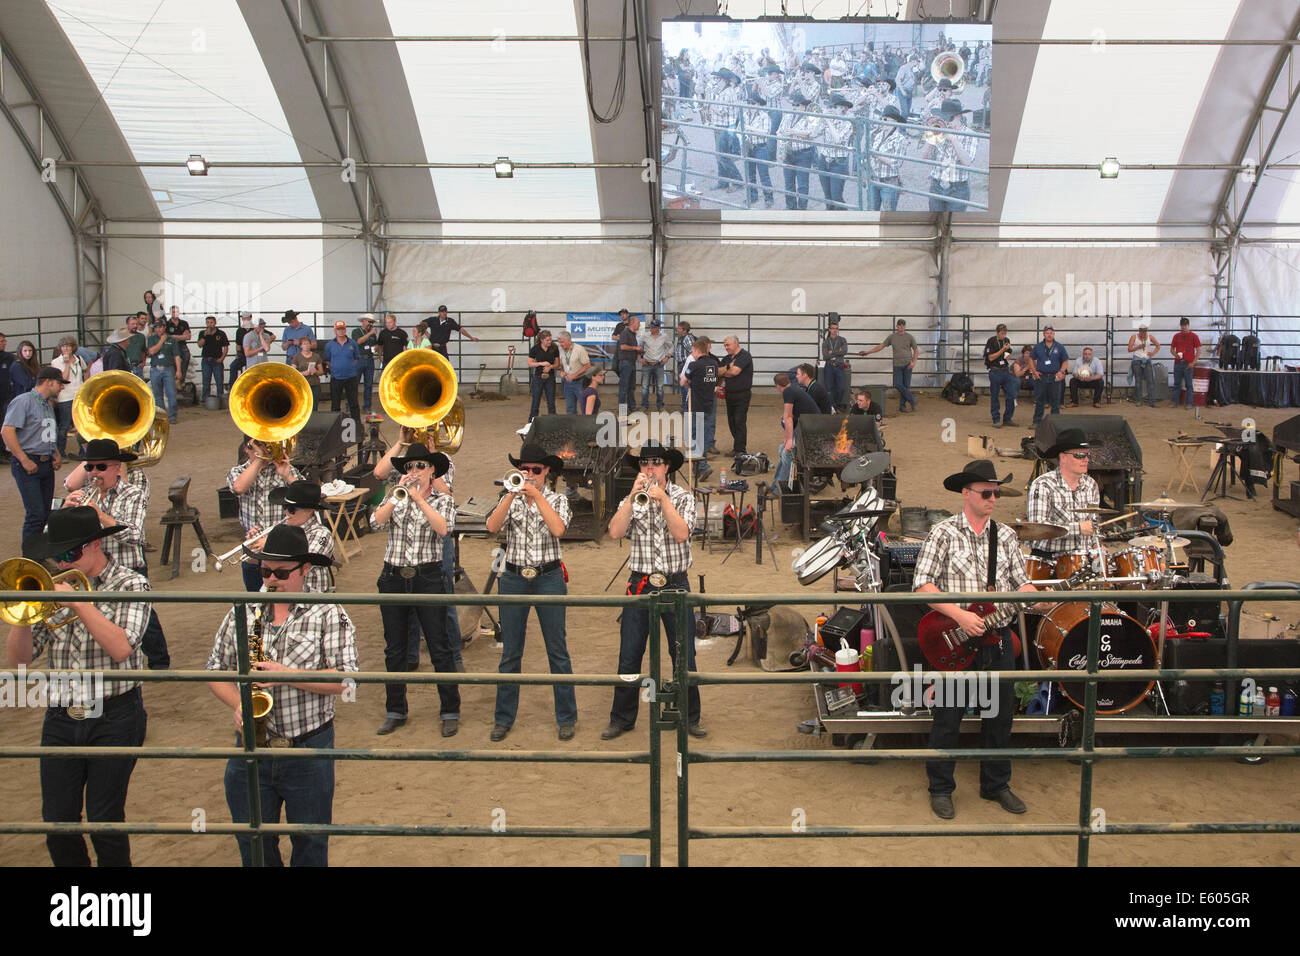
179 332
74 371
543 363
1001 379
794 402
904 354
1088 373
835 365
29 432
138 325
628 353
23 370
575 365
392 340
164 369
257 345
737 373
113 358
241 360
440 327
1186 346
656 351
806 376
294 334
6 385
1047 368
420 337
702 377
682 354
214 346
367 338
1142 348
589 400
153 309
309 364
342 360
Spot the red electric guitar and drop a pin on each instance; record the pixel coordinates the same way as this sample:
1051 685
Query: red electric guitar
946 647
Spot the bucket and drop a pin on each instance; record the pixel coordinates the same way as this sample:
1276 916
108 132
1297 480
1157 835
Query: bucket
847 659
212 403
914 523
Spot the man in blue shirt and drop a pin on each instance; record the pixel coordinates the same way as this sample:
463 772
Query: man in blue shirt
296 330
1047 361
343 362
29 431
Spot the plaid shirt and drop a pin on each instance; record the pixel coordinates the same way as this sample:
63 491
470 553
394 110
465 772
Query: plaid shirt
72 647
529 541
682 351
127 501
955 560
411 539
320 540
1051 502
836 137
945 153
255 507
653 548
888 146
315 637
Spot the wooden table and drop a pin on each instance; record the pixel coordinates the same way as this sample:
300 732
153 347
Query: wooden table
1184 461
342 521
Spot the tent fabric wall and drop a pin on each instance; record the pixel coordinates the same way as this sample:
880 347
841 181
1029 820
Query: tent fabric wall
1268 285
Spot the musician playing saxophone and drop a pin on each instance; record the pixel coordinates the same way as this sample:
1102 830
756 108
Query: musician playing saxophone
296 639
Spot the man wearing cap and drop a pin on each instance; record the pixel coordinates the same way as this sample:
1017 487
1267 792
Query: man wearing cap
1062 496
303 502
252 481
30 430
535 519
1186 348
575 363
963 554
834 140
440 328
164 369
100 637
949 183
1047 361
660 557
342 357
418 516
295 639
801 129
656 351
257 345
888 147
1142 347
367 338
996 359
138 325
295 331
214 345
120 499
904 353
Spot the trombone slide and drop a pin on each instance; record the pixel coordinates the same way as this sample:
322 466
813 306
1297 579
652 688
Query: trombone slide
219 560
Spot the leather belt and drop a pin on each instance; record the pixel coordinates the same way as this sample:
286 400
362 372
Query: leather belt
656 579
126 699
528 572
40 457
300 739
410 571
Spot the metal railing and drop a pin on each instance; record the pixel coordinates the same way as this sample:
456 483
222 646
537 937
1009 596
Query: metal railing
668 711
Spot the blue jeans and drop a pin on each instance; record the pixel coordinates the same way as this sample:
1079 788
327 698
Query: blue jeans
883 197
572 393
836 382
1182 379
63 418
728 171
705 426
1001 380
1144 381
213 369
514 625
686 392
303 788
627 384
433 621
542 386
37 492
903 382
367 383
796 178
634 633
783 462
954 192
757 172
1046 390
162 381
652 380
833 186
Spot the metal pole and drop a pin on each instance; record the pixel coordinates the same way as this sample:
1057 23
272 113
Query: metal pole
250 737
680 611
656 755
1089 731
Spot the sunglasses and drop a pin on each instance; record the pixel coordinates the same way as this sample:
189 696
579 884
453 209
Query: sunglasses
280 574
69 556
100 466
291 509
652 462
533 469
416 466
988 493
1081 455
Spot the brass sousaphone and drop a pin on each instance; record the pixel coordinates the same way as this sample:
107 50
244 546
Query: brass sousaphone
418 390
271 403
119 406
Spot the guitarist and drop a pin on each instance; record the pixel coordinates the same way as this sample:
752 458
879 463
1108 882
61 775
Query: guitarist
956 558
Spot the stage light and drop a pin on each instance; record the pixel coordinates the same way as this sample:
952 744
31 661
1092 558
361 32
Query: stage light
1109 168
504 168
197 165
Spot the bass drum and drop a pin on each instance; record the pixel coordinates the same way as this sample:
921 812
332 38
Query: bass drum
1062 642
819 560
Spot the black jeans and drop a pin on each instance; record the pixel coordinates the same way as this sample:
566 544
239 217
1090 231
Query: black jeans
396 618
634 633
1096 385
154 642
100 783
346 388
737 415
995 731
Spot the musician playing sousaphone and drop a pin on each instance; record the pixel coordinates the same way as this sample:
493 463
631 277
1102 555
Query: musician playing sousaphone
1059 497
958 557
294 639
253 481
120 498
100 637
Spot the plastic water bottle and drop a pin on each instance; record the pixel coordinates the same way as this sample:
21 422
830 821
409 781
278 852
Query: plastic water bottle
1273 703
722 482
866 638
1246 705
1216 699
1261 702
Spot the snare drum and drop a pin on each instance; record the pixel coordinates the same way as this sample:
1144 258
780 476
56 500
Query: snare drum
1139 562
1039 569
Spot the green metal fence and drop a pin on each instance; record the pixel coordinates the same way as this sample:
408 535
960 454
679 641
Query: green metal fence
667 702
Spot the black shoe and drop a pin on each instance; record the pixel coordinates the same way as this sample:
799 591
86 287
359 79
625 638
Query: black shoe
567 731
499 732
941 804
695 730
1009 424
612 731
389 725
451 727
1007 800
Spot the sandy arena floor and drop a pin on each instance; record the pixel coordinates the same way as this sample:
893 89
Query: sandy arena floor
187 715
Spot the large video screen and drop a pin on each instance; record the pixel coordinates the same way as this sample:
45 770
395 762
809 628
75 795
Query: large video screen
793 116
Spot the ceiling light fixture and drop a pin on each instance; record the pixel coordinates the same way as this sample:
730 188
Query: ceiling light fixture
504 168
1109 168
197 165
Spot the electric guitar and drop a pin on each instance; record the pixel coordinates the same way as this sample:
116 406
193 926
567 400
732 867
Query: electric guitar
946 647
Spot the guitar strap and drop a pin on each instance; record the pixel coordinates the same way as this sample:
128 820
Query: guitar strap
991 583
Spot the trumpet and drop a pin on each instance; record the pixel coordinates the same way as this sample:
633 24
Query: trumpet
92 493
935 134
219 560
514 482
22 574
641 499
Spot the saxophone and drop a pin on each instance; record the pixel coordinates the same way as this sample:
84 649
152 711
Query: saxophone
262 699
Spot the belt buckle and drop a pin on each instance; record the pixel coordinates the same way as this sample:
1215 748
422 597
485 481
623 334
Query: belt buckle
658 580
528 573
77 712
279 742
406 572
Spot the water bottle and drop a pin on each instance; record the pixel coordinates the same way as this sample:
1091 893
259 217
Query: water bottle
1273 703
1288 703
1216 699
866 638
1261 702
1246 705
723 480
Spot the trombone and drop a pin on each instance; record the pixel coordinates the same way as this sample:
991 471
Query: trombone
219 560
23 574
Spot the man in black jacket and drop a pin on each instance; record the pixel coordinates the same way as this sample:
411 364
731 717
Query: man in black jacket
737 371
805 375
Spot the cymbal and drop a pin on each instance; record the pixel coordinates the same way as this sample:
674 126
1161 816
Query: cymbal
865 467
1094 511
1160 504
1156 541
1030 531
1010 491
861 513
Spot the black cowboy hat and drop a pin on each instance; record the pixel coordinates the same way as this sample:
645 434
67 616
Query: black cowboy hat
979 470
652 449
798 99
299 494
288 314
68 528
535 454
1068 439
948 109
807 66
837 100
892 113
49 372
417 452
884 79
105 449
286 542
771 68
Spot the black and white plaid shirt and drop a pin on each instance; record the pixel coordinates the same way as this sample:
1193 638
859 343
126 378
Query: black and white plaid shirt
72 647
127 501
653 547
946 154
411 539
529 541
315 637
320 540
1052 502
956 560
255 507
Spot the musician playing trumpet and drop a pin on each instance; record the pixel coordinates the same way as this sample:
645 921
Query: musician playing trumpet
535 519
120 499
253 481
